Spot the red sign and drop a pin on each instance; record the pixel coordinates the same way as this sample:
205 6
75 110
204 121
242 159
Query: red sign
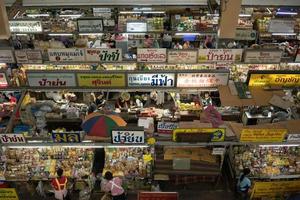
158 196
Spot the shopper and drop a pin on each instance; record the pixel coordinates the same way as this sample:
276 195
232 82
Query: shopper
148 42
244 184
114 186
60 185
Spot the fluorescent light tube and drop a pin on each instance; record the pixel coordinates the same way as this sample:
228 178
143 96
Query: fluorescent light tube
279 145
283 33
21 34
154 12
90 33
60 34
245 15
39 15
70 15
130 12
286 13
187 34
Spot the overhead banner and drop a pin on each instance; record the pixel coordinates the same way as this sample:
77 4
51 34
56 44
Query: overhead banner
25 26
263 135
8 194
220 55
90 25
103 55
199 135
151 80
29 56
123 136
284 80
55 80
262 56
95 80
151 55
281 26
3 80
198 80
66 55
6 56
182 56
244 34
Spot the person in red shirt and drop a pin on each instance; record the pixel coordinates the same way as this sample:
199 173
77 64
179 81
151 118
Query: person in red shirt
60 185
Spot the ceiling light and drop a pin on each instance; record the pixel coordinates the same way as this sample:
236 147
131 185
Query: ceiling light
70 15
279 145
38 15
245 15
91 34
130 12
154 12
181 34
283 33
60 34
286 13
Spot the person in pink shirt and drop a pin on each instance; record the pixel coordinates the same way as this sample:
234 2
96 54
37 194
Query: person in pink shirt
114 186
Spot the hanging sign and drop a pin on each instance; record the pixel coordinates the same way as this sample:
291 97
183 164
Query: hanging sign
90 25
284 80
50 79
262 56
166 128
25 26
66 137
196 80
12 139
136 27
220 55
8 194
3 80
66 55
127 136
151 55
29 56
6 56
101 80
262 135
158 195
151 80
293 138
242 34
103 55
199 135
182 56
274 188
281 26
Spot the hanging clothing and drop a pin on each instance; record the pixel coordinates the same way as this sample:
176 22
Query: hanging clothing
60 187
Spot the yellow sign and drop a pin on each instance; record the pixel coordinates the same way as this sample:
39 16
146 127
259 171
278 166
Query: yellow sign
217 134
262 80
8 194
101 80
263 135
274 188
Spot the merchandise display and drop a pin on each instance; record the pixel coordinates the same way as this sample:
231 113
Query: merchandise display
8 103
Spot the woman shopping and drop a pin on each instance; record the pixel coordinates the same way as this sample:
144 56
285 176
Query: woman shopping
244 184
114 186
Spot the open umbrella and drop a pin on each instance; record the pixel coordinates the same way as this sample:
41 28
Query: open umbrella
99 125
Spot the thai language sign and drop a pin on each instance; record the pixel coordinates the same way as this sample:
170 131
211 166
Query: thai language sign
263 135
151 55
285 80
192 80
6 56
166 128
151 80
90 25
12 138
194 135
101 80
48 79
127 137
104 55
66 137
282 26
8 194
66 55
262 56
25 26
220 55
29 56
182 56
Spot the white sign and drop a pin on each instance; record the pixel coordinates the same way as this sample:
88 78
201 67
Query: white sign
6 56
262 56
3 80
241 34
65 55
90 25
193 80
29 56
220 55
127 137
166 128
151 80
136 27
218 151
281 26
12 138
182 56
151 55
24 26
55 80
293 137
103 55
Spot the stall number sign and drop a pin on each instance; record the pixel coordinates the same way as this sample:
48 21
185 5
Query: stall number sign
284 80
12 138
127 137
220 55
182 56
29 56
166 127
3 80
66 55
216 134
263 135
196 80
103 55
66 137
101 80
151 80
158 195
262 56
90 25
151 55
55 80
19 26
8 194
6 56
